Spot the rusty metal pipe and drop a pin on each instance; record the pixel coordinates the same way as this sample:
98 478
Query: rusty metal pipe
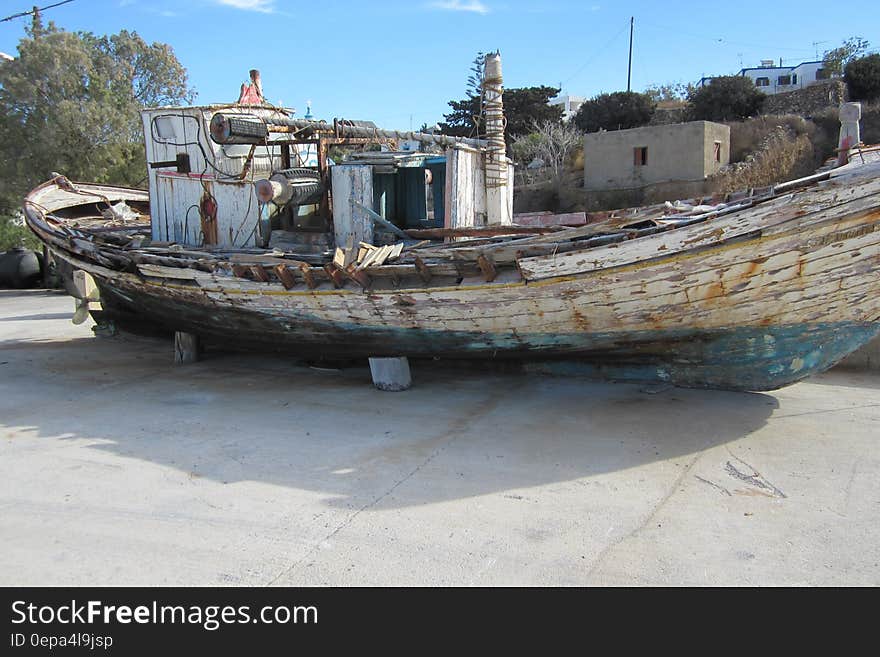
229 129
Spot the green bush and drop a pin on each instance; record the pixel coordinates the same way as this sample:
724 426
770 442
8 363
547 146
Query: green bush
13 234
862 77
618 111
726 98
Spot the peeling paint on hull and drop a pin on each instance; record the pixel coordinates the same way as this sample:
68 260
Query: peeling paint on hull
740 358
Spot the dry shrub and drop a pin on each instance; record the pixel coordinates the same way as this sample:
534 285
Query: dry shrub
747 137
767 150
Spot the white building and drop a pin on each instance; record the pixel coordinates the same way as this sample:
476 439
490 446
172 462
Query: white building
773 79
570 105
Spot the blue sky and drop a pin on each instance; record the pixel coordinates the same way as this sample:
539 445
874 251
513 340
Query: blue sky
398 62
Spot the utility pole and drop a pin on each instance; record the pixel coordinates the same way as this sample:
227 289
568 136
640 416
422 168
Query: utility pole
629 69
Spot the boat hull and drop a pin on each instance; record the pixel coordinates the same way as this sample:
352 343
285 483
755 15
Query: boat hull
733 358
755 300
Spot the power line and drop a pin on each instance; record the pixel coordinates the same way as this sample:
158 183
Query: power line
32 11
718 39
589 60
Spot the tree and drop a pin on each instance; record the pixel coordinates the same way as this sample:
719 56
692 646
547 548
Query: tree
835 60
670 92
862 78
616 111
522 108
70 102
550 141
726 98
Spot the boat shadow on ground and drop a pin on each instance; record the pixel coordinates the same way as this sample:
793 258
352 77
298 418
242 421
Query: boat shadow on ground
234 418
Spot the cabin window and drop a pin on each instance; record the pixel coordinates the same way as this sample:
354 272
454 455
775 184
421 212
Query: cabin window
718 151
783 80
762 82
794 79
822 74
640 156
165 127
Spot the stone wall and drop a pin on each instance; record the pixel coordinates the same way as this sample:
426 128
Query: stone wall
807 101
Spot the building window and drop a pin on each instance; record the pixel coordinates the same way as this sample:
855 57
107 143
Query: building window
640 156
718 151
794 79
822 74
762 82
783 80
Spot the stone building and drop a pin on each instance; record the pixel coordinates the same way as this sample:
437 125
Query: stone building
629 159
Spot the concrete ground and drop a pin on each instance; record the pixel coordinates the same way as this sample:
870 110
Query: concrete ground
116 467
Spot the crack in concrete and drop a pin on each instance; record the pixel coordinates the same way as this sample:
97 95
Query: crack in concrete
452 434
651 515
714 485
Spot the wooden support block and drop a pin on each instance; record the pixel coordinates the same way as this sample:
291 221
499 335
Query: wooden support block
391 374
288 280
240 271
308 276
336 275
487 267
423 270
259 273
186 348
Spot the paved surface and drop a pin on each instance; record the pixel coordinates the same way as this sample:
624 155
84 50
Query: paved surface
116 467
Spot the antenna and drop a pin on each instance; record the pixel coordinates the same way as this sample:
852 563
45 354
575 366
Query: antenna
816 45
740 55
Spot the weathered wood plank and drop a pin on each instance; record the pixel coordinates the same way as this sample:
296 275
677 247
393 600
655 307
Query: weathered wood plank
352 182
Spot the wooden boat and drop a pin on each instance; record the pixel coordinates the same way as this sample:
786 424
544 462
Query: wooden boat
755 294
753 291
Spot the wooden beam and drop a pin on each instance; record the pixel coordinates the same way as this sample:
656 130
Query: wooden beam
288 280
335 274
358 276
308 276
259 273
423 270
487 267
487 231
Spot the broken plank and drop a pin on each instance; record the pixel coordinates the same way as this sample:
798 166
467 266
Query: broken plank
423 270
487 267
486 231
336 275
288 280
259 273
360 277
308 276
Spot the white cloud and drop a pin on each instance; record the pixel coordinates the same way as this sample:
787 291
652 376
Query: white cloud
474 6
262 6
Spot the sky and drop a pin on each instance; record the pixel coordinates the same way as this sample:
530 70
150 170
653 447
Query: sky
399 62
